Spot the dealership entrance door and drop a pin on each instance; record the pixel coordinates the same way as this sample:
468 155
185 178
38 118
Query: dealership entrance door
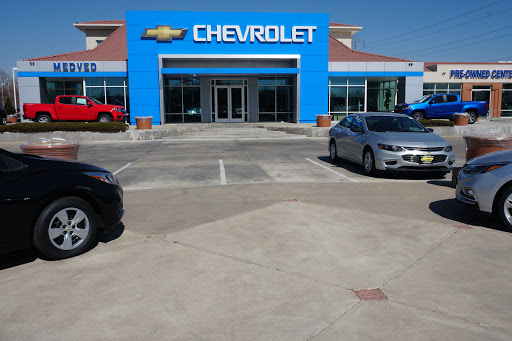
229 103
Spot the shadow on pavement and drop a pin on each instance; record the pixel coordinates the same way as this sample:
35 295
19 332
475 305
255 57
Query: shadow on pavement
358 169
460 213
26 256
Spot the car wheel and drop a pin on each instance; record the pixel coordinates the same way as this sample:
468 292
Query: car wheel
44 118
472 117
4 120
505 208
333 152
65 228
104 118
418 115
369 162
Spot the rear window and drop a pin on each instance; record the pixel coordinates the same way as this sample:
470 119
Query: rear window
451 98
65 100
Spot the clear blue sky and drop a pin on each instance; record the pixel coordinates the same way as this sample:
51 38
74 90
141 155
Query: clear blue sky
458 31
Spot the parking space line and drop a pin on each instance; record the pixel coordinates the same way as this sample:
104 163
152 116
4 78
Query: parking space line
222 173
120 169
330 170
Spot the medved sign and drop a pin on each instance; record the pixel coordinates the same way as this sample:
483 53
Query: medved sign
72 67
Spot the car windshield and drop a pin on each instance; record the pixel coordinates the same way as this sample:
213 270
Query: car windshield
94 100
400 124
423 99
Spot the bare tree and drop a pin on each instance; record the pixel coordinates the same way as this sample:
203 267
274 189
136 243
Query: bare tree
6 88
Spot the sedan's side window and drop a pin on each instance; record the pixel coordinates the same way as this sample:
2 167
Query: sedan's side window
8 164
357 122
346 122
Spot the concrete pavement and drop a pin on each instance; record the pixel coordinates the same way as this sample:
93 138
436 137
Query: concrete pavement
266 258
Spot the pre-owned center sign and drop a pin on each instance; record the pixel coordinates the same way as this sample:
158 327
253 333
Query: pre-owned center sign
252 33
481 74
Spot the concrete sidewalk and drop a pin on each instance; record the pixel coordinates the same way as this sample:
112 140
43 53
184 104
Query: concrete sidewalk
274 262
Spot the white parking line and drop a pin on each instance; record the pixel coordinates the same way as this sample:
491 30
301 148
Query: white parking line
120 169
222 173
330 170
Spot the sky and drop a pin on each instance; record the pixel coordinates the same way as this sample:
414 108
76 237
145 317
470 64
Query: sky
433 31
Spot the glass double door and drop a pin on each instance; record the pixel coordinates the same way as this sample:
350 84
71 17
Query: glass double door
229 103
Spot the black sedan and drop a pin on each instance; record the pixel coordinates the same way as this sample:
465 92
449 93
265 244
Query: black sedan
55 205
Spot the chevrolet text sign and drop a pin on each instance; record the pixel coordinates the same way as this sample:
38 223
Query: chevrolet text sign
252 33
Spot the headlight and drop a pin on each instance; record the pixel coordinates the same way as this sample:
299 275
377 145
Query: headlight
448 149
104 177
479 169
407 107
390 147
118 109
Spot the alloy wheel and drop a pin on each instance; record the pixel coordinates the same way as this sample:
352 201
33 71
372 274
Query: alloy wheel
68 228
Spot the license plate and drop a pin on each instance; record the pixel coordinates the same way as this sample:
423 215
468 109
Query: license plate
427 159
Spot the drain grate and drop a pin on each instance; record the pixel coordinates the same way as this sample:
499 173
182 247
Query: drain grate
155 238
463 227
370 294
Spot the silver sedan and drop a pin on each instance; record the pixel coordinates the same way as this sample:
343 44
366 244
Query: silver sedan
390 142
486 182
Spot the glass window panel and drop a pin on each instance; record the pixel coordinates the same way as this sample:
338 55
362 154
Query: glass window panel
172 81
443 86
441 91
507 86
267 117
190 118
373 100
191 81
428 86
174 118
482 87
373 84
96 81
284 81
114 81
192 100
284 99
388 100
284 117
356 81
338 80
172 99
115 96
266 81
338 99
506 100
356 98
455 86
97 94
267 98
428 92
230 82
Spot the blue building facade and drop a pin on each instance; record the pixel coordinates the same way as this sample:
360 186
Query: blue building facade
227 67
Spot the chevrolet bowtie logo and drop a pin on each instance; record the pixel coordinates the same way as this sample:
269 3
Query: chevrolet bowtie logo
164 33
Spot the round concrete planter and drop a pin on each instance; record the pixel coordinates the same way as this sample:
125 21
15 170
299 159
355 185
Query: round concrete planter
67 151
323 120
481 144
143 122
461 119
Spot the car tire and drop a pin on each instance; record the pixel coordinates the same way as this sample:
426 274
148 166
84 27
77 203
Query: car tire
369 162
472 117
418 115
65 228
44 118
505 207
104 118
333 152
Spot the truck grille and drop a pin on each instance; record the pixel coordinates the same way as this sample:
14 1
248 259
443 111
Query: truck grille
417 158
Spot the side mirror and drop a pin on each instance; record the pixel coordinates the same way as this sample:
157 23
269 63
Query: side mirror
356 129
430 129
90 104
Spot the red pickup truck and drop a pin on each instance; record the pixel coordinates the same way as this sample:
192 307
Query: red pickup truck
73 108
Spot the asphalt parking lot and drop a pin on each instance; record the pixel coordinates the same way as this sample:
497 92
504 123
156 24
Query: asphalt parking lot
266 239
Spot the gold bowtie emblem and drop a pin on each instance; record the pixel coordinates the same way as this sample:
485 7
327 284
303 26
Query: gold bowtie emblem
164 33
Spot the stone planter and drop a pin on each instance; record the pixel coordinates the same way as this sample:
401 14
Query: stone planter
323 120
12 119
482 144
143 122
461 119
59 148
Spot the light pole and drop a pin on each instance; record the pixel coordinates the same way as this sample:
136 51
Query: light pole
14 89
